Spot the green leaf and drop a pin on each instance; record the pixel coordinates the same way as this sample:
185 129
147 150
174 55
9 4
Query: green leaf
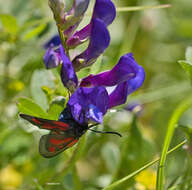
28 106
9 23
95 68
187 129
187 66
35 32
56 107
38 186
188 54
41 78
110 153
48 92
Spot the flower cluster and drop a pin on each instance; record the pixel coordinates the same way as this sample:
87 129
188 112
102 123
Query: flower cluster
90 99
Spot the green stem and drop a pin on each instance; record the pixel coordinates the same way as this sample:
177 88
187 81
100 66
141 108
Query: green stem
77 181
183 106
140 8
115 184
63 40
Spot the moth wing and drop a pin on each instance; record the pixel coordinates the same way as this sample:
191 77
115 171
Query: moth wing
46 123
52 144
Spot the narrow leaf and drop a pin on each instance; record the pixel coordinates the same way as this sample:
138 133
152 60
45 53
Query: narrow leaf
35 32
9 23
187 66
188 54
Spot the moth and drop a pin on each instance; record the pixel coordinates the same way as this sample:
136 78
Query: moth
63 134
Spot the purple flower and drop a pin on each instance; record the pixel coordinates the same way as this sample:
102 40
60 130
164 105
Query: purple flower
51 58
68 75
89 104
99 41
103 10
90 100
53 42
124 70
120 93
135 107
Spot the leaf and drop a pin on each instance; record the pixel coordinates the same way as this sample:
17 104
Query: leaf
188 54
187 66
9 23
187 129
35 32
38 186
48 92
95 68
28 106
68 182
41 78
110 153
56 107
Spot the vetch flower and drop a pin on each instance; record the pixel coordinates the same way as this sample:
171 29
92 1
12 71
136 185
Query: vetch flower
124 70
51 58
120 93
53 42
90 100
134 107
68 75
89 104
96 31
103 10
99 41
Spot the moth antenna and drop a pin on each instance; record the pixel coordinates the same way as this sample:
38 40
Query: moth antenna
106 132
93 125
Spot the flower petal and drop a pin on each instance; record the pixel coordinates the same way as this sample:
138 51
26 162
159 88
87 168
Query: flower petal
120 93
94 114
88 104
68 75
104 10
79 37
51 58
53 42
99 41
75 14
124 70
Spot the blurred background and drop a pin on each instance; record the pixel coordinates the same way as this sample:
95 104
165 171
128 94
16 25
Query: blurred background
158 38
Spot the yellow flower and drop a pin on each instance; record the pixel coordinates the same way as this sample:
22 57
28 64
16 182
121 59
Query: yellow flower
147 179
16 86
10 179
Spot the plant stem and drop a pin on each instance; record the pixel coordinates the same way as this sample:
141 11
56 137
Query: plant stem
77 181
183 106
115 184
140 8
63 40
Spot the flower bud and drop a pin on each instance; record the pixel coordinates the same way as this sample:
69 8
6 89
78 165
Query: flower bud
58 9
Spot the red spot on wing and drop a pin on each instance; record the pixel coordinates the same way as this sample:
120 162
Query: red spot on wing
72 143
56 125
51 149
48 126
36 121
62 124
62 141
